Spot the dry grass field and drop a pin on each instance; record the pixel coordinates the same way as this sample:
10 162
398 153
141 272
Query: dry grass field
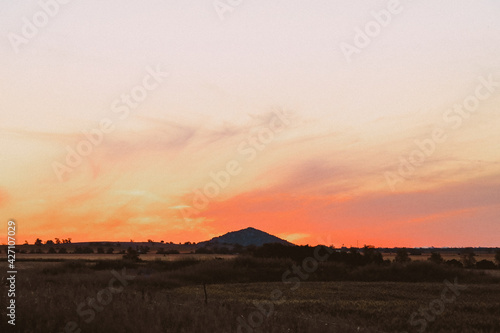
168 296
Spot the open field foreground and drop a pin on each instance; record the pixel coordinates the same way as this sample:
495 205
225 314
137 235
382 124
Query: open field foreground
104 296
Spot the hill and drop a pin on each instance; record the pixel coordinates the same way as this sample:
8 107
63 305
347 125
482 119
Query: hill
245 237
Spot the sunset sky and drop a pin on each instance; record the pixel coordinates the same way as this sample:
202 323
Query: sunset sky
318 143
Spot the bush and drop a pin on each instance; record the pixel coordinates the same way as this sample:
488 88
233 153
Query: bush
485 264
131 255
454 263
468 258
402 256
436 258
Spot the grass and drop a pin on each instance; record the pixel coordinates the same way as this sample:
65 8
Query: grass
168 297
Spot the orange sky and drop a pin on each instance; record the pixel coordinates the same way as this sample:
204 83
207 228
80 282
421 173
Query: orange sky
165 122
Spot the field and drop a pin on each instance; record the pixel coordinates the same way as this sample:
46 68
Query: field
95 256
243 295
446 256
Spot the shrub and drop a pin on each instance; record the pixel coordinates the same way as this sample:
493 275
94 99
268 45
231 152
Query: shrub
468 258
402 256
436 258
131 255
454 263
485 264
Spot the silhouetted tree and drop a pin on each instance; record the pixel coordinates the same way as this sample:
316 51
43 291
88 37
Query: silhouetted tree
371 255
468 257
58 241
402 256
436 258
38 242
131 255
49 242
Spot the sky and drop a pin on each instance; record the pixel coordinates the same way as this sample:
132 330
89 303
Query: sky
333 122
